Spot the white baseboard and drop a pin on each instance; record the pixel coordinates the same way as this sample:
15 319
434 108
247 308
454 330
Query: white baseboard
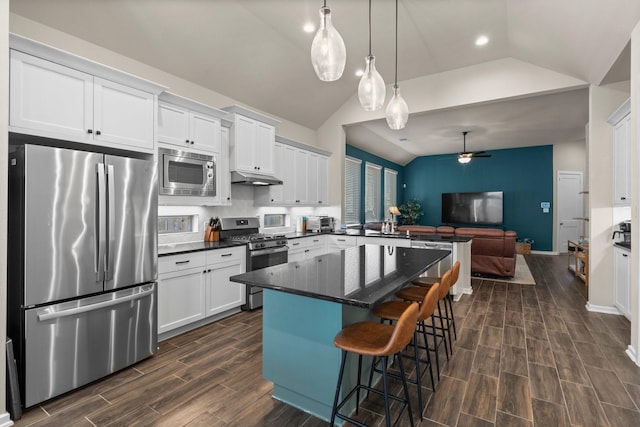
603 309
545 252
631 352
5 420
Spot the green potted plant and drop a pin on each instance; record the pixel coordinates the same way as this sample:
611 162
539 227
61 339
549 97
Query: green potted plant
410 212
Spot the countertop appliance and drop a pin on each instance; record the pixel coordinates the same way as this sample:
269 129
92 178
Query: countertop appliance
82 266
320 224
183 173
624 230
263 250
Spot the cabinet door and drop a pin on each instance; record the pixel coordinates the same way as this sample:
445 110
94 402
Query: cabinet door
288 175
204 133
173 125
323 180
621 161
277 191
180 299
221 293
312 178
49 99
265 140
222 169
338 243
245 144
301 176
123 116
622 279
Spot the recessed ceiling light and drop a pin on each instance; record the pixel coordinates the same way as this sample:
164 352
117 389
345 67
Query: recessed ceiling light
359 72
482 40
309 27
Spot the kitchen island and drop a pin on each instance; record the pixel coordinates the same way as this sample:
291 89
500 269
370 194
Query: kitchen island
307 303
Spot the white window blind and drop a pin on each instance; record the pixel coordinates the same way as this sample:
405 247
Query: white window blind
390 190
372 191
351 208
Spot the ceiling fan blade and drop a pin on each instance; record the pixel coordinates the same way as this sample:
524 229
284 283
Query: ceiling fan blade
481 155
479 152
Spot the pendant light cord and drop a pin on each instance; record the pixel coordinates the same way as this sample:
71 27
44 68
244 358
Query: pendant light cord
395 84
369 27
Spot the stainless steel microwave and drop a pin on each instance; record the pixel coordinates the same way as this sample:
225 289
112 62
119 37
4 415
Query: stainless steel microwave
183 173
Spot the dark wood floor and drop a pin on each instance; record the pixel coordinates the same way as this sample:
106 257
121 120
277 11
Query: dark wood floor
525 356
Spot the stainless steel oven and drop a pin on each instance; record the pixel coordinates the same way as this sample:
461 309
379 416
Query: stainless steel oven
184 173
262 258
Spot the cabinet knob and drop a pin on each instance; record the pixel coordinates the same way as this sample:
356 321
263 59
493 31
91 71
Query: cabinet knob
98 132
228 198
623 198
89 130
187 141
191 142
625 255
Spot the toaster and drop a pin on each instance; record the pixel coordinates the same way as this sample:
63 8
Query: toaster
320 224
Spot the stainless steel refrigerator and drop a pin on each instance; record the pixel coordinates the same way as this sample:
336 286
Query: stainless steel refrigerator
82 266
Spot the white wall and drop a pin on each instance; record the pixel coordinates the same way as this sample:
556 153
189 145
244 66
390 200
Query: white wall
4 150
634 348
603 100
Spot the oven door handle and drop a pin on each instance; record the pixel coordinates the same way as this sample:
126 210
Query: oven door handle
268 251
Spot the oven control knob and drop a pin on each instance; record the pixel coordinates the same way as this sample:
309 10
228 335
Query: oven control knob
260 245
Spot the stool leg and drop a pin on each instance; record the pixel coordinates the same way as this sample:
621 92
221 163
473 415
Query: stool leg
386 392
406 392
435 344
426 345
418 374
453 318
446 315
358 384
444 335
334 411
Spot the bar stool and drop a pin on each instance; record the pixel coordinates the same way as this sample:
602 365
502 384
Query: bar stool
391 311
416 293
429 281
377 340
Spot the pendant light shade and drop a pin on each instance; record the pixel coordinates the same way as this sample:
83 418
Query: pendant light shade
397 111
328 53
371 90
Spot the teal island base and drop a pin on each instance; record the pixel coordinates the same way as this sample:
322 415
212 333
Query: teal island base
298 352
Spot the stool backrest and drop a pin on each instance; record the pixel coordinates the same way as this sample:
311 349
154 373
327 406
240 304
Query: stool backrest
455 272
403 330
445 284
428 305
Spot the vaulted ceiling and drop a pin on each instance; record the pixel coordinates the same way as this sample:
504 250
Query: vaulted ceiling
256 51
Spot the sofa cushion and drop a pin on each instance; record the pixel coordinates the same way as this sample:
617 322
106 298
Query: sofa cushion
417 229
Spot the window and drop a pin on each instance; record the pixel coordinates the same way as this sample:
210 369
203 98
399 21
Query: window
372 192
390 190
352 190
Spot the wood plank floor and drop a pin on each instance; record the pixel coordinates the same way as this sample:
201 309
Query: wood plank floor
525 356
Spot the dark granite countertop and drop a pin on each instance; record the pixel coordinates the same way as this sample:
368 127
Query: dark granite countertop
361 276
372 233
623 245
182 248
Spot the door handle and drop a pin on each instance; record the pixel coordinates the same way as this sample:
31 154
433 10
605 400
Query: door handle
100 223
112 221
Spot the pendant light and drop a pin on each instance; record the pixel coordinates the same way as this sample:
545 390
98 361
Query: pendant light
371 90
328 54
397 110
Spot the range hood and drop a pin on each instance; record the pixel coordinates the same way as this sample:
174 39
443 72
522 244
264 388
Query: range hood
253 179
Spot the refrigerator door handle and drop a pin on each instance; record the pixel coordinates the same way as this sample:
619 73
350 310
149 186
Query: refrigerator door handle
101 224
49 313
111 215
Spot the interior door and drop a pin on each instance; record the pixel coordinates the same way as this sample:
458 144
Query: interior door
61 233
570 208
132 204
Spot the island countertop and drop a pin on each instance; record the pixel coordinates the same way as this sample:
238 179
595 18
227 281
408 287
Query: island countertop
360 276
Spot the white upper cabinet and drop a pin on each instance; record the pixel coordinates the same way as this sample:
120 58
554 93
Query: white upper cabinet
189 125
252 141
304 172
224 175
621 121
85 103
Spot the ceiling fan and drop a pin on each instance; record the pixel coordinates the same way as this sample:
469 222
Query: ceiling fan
466 156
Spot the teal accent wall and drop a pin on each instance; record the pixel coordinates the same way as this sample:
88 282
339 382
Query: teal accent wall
525 175
368 157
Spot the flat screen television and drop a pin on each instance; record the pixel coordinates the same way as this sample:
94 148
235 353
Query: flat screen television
472 208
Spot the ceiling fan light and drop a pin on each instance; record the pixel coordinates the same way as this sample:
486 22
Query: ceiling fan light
371 89
328 53
397 112
464 159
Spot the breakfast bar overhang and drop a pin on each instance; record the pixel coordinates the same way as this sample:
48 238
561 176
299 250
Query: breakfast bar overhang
307 303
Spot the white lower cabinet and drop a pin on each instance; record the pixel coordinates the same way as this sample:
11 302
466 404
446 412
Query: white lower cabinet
337 243
221 294
622 280
194 286
307 248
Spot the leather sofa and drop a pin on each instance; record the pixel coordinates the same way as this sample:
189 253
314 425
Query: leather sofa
493 251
